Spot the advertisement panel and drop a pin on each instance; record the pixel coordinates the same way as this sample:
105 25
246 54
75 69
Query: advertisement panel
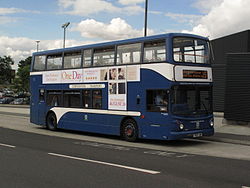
117 78
71 76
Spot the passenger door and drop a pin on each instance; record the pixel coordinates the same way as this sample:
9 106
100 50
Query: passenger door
41 107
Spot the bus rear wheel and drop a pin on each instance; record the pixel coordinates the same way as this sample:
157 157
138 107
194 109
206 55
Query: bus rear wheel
129 130
51 121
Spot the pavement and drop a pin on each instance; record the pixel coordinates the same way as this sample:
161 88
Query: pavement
229 133
224 132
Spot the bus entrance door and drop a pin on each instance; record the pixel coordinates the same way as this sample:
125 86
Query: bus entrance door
41 107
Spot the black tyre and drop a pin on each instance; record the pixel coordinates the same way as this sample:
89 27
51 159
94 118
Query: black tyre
129 130
51 121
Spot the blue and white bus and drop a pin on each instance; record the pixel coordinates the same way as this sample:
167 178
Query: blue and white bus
155 87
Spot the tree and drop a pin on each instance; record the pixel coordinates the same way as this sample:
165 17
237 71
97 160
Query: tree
21 82
5 69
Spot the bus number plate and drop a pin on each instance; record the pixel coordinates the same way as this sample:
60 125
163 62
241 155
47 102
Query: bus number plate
197 135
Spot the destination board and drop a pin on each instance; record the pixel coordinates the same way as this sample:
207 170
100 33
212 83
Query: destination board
195 74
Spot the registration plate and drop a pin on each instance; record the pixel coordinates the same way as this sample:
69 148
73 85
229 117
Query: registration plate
197 135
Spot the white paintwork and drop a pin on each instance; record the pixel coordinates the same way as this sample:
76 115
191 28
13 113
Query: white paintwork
165 69
60 111
105 163
36 73
86 86
7 145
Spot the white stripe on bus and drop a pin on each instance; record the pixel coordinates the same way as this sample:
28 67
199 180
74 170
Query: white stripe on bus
60 111
165 69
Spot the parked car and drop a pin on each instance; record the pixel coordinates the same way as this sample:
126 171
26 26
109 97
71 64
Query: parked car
9 93
1 95
26 100
18 101
6 100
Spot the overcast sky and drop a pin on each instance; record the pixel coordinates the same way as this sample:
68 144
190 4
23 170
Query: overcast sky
22 22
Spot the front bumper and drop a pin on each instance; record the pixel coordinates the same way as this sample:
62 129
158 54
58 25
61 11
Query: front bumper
191 134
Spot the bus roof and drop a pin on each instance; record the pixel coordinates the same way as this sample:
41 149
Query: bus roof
118 42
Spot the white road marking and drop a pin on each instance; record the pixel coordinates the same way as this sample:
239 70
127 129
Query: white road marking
244 186
7 145
105 163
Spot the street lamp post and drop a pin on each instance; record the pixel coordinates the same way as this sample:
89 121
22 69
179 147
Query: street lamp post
146 18
37 45
64 26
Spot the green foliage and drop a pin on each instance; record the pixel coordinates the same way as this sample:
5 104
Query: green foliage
21 82
5 69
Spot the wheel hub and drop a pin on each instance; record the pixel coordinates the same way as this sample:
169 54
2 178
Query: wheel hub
129 130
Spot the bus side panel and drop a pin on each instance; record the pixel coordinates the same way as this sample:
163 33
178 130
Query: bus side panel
36 116
154 125
89 122
33 100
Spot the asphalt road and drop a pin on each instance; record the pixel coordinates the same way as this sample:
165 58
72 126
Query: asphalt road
34 160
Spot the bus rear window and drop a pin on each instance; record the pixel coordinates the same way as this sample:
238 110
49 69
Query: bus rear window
39 63
190 50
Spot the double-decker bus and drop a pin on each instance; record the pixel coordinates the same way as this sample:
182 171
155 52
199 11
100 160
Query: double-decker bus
155 87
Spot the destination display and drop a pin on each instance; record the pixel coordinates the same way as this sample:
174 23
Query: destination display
195 74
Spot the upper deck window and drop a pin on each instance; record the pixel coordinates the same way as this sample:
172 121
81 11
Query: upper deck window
103 57
87 56
54 62
72 60
190 50
39 63
130 53
154 51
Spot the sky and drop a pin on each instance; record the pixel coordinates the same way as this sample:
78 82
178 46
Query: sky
23 22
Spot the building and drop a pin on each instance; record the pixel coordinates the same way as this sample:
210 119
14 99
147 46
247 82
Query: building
231 73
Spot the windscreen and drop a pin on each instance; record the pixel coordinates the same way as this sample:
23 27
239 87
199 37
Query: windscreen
191 100
190 50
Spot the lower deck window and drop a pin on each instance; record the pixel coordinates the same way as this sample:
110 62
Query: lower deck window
92 99
97 99
72 99
41 95
75 98
157 100
87 99
54 98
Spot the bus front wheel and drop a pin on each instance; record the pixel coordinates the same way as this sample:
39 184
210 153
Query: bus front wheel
129 130
51 121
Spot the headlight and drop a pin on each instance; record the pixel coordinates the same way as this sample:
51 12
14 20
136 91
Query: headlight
211 122
181 126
